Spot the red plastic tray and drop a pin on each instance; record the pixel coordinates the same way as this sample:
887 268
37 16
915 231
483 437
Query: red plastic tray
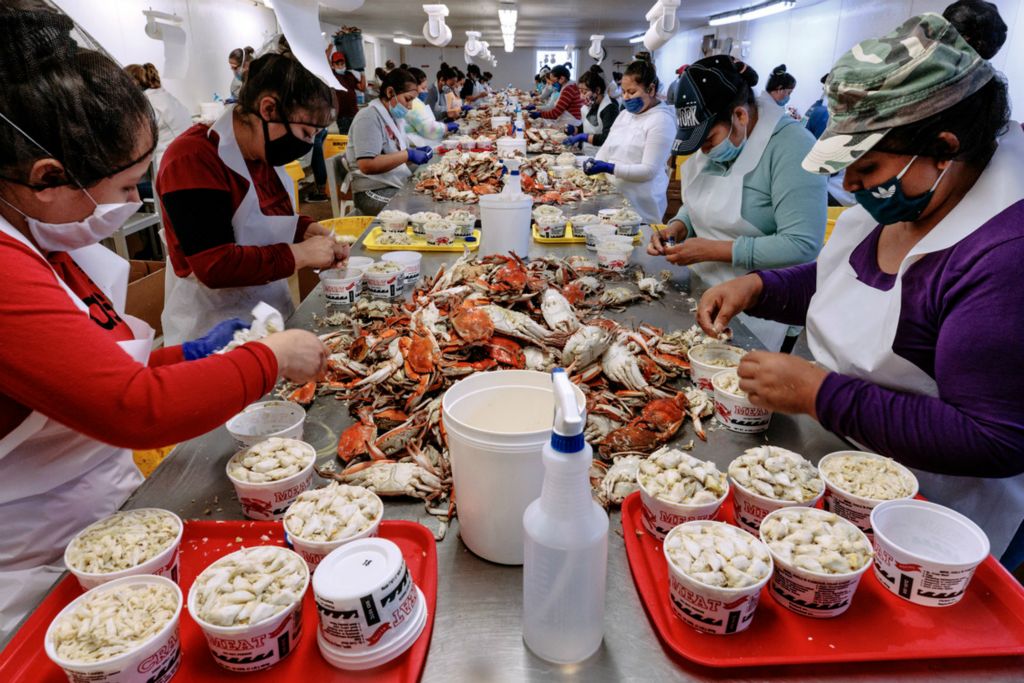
879 626
203 542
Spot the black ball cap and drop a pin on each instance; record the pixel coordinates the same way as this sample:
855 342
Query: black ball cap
706 88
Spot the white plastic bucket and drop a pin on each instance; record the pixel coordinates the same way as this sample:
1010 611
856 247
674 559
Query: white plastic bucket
497 424
260 421
606 215
736 413
341 286
385 285
383 654
505 224
613 256
164 563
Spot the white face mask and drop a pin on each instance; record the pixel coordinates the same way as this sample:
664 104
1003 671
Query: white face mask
101 224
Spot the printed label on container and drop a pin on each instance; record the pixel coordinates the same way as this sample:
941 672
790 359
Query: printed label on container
911 581
860 515
341 294
259 651
161 666
818 599
373 619
711 615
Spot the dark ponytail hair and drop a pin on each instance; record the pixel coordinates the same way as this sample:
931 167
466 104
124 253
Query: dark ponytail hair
643 72
286 80
780 79
561 71
980 25
418 74
593 81
473 70
77 104
744 78
398 80
445 72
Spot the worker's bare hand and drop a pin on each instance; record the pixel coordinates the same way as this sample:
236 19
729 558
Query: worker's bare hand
301 356
780 382
721 303
315 252
676 230
315 229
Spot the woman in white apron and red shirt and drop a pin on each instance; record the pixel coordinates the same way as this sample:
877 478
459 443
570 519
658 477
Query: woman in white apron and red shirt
233 238
567 108
79 381
598 113
914 308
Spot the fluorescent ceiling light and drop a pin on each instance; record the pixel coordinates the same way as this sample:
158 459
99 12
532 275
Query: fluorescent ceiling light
751 13
636 39
402 41
507 17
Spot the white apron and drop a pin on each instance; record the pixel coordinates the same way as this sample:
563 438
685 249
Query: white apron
590 129
414 138
864 349
625 145
57 481
715 204
190 307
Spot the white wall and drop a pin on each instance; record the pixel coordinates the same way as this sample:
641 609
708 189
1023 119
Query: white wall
809 39
215 27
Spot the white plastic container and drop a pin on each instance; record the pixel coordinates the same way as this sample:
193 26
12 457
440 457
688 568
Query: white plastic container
505 221
924 552
270 500
314 552
551 226
613 256
856 508
606 215
409 260
385 284
630 229
164 563
440 234
595 234
736 413
360 263
341 286
702 366
659 517
393 221
155 660
566 543
260 421
369 609
507 147
497 424
499 122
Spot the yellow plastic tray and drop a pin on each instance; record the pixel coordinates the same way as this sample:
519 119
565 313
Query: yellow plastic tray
571 238
419 243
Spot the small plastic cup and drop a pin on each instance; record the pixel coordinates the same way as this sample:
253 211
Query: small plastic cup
551 227
260 421
606 215
314 552
596 233
440 235
561 171
164 563
631 229
341 286
370 609
419 219
393 221
464 224
253 647
360 263
410 262
702 359
814 594
659 517
710 609
926 553
736 413
385 284
613 256
155 659
849 506
270 500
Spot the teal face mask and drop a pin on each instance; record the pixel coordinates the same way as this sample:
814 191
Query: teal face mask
725 151
784 101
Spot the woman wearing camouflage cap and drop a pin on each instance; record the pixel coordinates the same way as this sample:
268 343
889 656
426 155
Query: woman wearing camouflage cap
912 306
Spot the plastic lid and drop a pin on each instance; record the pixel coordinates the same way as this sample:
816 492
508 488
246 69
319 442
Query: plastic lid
570 417
357 568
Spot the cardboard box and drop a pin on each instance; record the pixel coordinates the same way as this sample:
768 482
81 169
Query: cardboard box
146 292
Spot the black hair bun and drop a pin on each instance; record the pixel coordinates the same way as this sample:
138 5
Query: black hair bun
747 73
32 38
779 70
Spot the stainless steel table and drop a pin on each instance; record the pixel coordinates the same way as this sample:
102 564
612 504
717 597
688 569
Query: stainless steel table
477 633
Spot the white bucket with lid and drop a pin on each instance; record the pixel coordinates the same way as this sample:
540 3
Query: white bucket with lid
497 424
506 224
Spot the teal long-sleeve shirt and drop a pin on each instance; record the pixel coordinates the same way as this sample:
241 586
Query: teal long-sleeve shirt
781 199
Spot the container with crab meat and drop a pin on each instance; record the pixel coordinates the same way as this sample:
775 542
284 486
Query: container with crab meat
127 543
271 474
716 573
370 609
249 606
707 360
613 255
819 560
327 518
551 226
420 219
464 222
393 221
733 408
124 631
676 487
385 279
857 482
627 222
767 478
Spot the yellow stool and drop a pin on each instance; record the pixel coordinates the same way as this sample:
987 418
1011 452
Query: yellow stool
295 172
680 160
833 214
352 225
335 144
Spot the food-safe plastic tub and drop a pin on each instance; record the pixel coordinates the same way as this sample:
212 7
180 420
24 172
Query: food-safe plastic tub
661 516
410 262
505 222
260 421
613 256
551 228
855 508
606 215
924 552
253 647
750 507
702 370
341 286
464 224
341 659
709 609
394 221
497 424
314 552
154 660
387 284
164 563
630 229
440 235
360 263
814 594
736 413
270 500
595 233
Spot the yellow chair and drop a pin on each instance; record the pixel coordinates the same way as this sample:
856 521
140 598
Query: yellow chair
335 144
680 160
352 225
833 214
295 172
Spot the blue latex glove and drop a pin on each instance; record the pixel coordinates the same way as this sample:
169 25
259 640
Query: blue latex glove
575 139
530 107
593 167
453 127
420 155
217 338
534 114
570 129
467 107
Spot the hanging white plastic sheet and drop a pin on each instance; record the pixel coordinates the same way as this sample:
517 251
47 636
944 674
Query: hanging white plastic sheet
164 27
300 22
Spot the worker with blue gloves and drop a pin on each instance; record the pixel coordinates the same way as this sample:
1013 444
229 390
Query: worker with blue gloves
599 113
214 340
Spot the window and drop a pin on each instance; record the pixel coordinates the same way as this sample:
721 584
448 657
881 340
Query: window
552 58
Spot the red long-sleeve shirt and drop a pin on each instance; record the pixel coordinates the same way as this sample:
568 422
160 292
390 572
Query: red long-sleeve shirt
569 100
199 195
68 366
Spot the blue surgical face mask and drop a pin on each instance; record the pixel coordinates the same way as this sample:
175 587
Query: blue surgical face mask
725 151
422 97
633 104
399 111
557 86
887 202
784 101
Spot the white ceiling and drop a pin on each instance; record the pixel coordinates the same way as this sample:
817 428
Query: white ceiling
544 23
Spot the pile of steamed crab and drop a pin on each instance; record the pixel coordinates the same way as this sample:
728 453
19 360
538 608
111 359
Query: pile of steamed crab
544 139
392 363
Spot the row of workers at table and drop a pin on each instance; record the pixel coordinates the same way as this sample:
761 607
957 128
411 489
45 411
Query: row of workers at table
905 317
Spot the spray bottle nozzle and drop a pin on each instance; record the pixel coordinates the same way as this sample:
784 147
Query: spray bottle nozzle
570 417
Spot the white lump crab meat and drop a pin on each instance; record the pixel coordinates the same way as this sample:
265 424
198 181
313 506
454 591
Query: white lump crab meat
777 473
110 622
249 586
816 541
729 382
122 541
718 554
673 476
869 476
270 460
332 513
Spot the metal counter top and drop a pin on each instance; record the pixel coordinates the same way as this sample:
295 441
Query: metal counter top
477 634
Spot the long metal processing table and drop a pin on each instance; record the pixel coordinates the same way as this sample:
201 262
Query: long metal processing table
477 632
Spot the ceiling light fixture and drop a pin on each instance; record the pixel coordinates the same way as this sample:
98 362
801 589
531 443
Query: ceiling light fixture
751 13
402 40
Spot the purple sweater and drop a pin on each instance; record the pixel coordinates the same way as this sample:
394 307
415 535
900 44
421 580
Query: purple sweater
961 322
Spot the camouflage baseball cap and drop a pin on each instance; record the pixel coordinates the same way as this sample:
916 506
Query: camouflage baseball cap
918 70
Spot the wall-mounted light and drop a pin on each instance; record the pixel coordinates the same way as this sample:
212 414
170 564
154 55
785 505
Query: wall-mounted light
402 40
751 13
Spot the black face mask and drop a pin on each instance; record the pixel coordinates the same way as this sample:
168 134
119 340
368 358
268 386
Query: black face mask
286 148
